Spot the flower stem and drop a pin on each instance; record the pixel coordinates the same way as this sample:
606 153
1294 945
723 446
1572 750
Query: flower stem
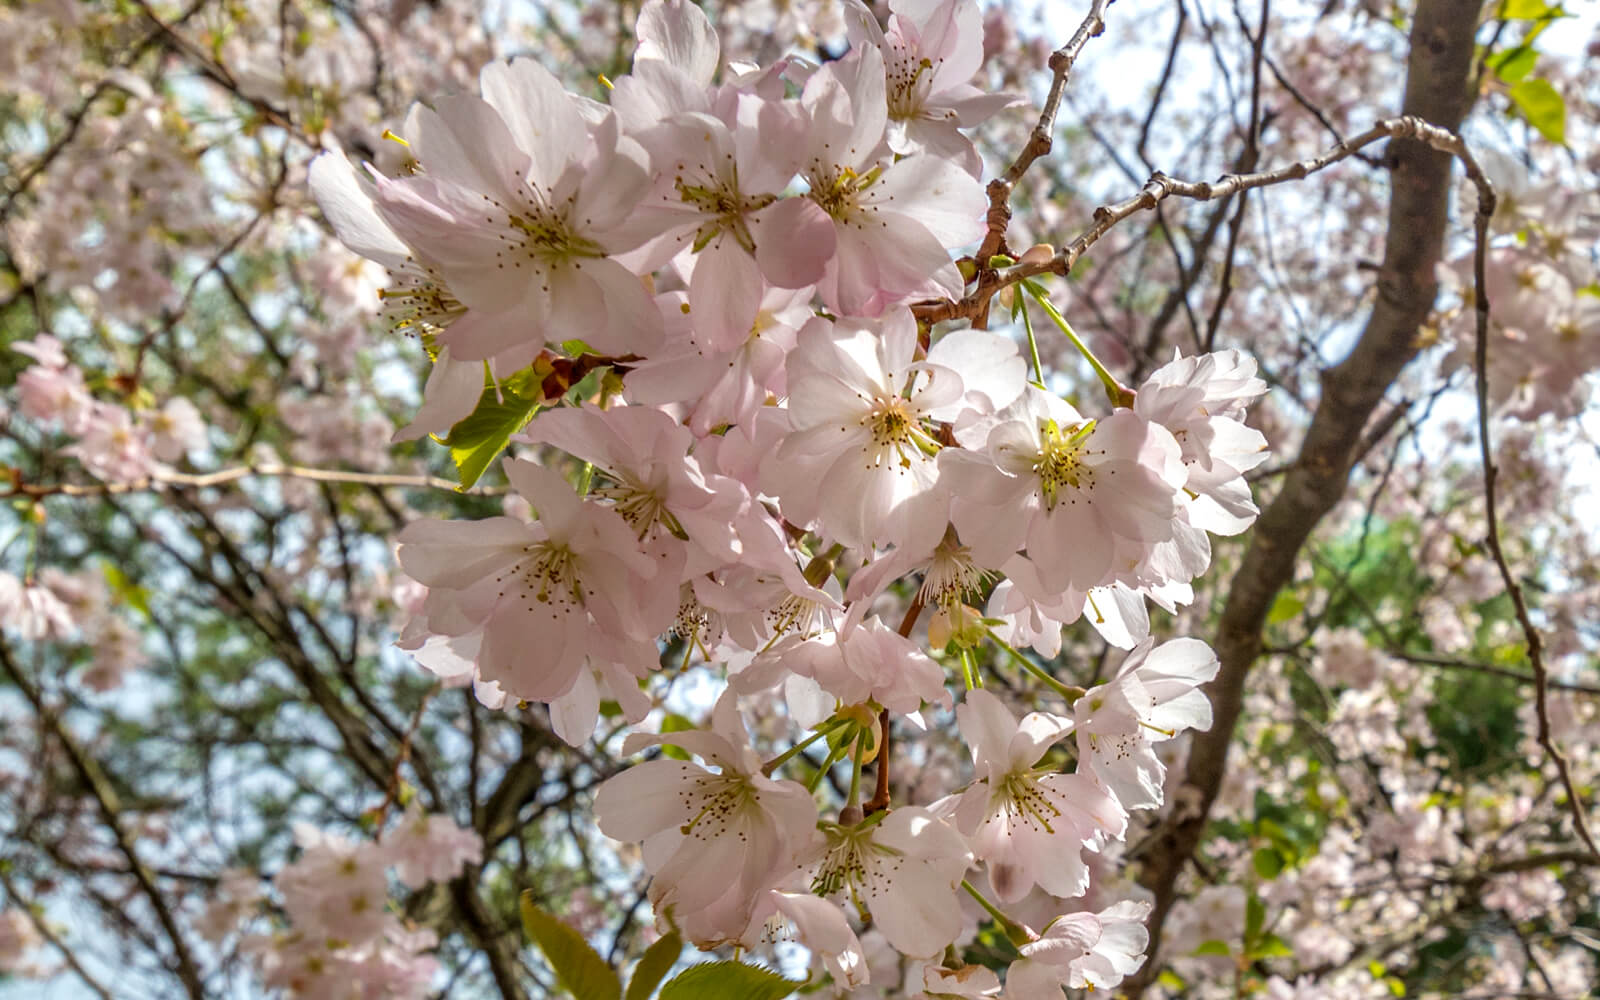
1017 933
827 765
1033 345
1067 691
782 758
1119 394
855 769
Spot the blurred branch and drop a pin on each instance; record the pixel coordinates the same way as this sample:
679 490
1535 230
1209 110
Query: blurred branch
1439 64
43 927
187 971
1541 676
164 479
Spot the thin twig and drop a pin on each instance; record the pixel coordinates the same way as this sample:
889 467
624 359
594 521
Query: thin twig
1541 676
1160 187
165 479
1042 137
50 936
105 796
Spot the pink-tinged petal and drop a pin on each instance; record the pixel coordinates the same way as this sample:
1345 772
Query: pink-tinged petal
632 322
1068 938
612 181
679 34
466 142
989 364
706 745
653 92
988 726
457 554
1178 707
451 222
917 913
861 74
1027 979
538 114
581 431
480 335
534 649
1036 733
1070 546
1119 614
349 209
940 195
645 799
1088 804
573 715
795 240
822 927
725 294
450 395
1186 659
550 495
1054 862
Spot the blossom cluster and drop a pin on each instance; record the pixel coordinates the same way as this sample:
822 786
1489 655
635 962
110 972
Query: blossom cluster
114 442
780 450
342 941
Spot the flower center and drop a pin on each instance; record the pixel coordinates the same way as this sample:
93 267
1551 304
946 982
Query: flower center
550 576
419 304
1060 463
903 72
1021 798
838 190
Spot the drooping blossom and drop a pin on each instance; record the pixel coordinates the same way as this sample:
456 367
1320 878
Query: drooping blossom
540 593
714 841
1029 825
1153 697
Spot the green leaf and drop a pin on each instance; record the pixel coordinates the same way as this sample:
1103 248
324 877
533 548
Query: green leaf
1213 947
654 966
727 981
1255 917
1268 862
578 968
1542 106
1273 946
1171 980
675 723
1514 63
1285 607
1527 10
1396 987
485 432
131 594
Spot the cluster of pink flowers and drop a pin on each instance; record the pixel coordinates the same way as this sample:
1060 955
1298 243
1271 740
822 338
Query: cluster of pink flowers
342 940
55 605
1541 277
114 442
787 444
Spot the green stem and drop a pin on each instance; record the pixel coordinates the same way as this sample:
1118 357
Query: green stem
782 758
1033 346
1017 933
855 769
1119 394
827 765
1066 691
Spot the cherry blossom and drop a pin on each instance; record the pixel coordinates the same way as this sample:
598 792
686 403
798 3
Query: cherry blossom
540 587
1029 825
714 841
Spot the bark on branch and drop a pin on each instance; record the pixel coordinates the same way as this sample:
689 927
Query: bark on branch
1437 90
